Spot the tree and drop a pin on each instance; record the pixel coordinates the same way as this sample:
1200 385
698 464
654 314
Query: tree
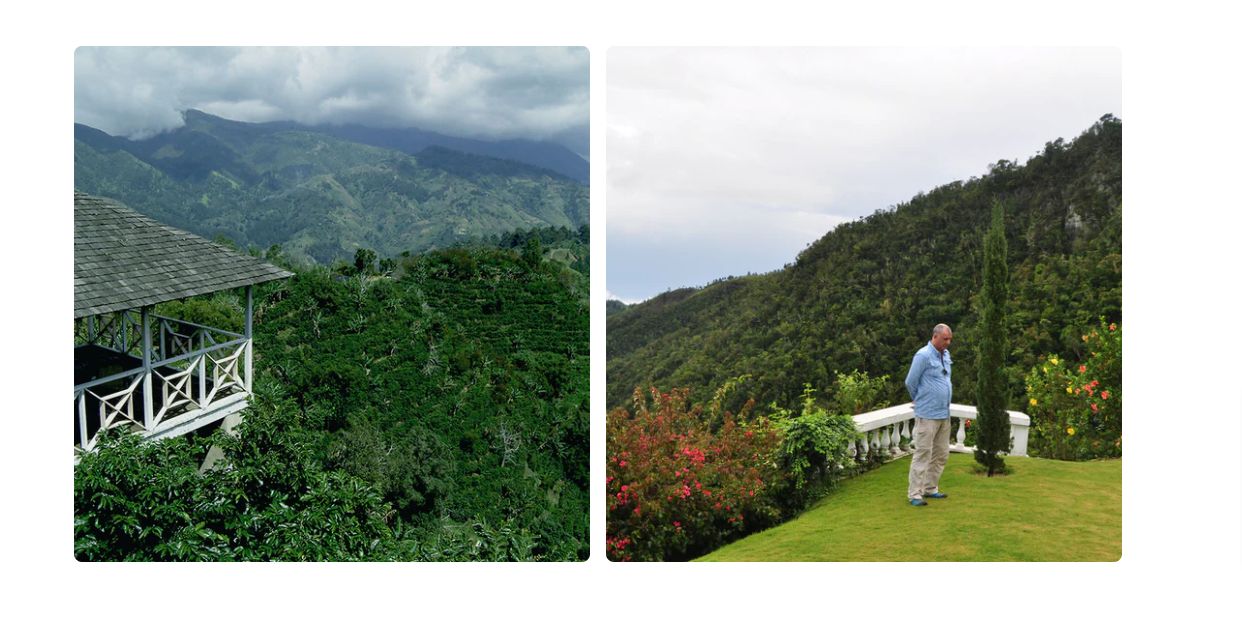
992 391
364 261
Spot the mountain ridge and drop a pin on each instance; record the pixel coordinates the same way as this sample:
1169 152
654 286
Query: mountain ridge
320 196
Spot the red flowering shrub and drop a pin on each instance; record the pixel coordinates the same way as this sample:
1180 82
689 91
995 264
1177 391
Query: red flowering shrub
1075 408
675 488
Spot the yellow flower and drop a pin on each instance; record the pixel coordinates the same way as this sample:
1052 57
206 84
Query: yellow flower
1069 390
1071 431
1034 402
1045 369
1054 361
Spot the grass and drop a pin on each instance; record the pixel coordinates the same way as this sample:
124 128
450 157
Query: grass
1044 511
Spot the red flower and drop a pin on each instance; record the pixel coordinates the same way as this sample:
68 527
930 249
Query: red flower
707 493
676 523
967 423
625 487
717 504
622 463
1104 395
1082 369
1112 327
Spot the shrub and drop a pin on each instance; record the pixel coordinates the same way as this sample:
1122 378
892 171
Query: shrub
675 488
857 393
815 447
1075 408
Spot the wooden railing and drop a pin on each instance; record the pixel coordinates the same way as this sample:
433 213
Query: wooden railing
190 370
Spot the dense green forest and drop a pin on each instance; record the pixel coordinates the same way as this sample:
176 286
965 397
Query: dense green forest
867 294
319 196
436 411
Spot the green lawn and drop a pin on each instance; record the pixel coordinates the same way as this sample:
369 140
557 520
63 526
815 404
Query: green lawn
1045 510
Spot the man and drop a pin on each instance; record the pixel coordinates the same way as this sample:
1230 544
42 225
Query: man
930 383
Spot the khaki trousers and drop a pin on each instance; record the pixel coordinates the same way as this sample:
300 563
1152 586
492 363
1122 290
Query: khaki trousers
931 453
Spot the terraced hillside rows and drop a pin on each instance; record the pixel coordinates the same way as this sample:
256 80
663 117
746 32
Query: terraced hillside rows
460 388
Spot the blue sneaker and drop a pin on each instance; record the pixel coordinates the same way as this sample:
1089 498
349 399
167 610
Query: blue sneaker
935 495
917 502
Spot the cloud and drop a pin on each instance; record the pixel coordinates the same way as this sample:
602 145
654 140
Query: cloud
764 150
536 93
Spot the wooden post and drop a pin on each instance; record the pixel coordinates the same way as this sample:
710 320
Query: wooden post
249 339
146 368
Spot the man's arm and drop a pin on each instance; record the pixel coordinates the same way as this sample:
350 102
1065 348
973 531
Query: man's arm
912 378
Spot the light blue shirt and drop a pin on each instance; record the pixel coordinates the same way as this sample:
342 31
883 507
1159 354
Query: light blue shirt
930 383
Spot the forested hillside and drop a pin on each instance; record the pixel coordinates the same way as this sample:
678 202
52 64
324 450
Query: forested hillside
319 196
437 412
866 295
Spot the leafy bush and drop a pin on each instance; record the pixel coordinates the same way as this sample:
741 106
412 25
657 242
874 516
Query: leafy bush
857 393
675 488
1075 408
265 500
815 444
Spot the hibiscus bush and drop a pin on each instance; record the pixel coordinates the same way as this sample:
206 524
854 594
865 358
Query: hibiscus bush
1075 407
676 489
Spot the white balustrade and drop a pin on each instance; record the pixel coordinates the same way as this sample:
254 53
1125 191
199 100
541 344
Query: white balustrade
884 428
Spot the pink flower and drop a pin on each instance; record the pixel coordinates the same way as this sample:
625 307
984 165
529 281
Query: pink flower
622 463
625 487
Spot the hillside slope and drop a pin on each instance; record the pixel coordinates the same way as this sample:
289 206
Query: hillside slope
319 196
867 294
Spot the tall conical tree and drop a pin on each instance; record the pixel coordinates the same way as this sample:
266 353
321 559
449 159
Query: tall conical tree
992 396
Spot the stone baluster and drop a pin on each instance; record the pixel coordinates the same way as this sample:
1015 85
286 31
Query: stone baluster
884 439
853 451
906 432
864 445
961 432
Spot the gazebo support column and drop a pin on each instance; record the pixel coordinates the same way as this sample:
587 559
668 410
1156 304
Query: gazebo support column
147 401
250 339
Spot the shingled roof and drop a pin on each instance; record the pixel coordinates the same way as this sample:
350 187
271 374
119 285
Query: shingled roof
122 260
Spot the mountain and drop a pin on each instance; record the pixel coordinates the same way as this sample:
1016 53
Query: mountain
410 140
320 196
866 295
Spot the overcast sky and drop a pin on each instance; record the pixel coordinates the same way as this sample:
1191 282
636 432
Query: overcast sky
536 93
724 161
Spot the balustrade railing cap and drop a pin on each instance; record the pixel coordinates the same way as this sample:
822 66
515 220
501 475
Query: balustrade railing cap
897 413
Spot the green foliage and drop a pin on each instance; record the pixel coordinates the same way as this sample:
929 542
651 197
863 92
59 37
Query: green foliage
992 398
1075 406
266 500
867 294
815 448
857 393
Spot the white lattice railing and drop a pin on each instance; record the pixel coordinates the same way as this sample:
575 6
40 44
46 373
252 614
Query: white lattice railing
194 369
892 430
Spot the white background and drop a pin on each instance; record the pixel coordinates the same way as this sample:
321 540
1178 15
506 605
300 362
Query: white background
1182 532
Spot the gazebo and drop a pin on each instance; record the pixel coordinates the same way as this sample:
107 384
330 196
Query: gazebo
134 369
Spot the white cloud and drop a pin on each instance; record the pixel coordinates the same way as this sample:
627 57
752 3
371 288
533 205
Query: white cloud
486 93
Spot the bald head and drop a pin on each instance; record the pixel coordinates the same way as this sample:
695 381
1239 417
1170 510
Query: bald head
941 337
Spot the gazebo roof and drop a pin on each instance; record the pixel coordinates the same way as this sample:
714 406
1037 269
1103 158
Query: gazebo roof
122 260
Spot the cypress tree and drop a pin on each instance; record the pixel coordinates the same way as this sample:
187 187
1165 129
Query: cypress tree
992 396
